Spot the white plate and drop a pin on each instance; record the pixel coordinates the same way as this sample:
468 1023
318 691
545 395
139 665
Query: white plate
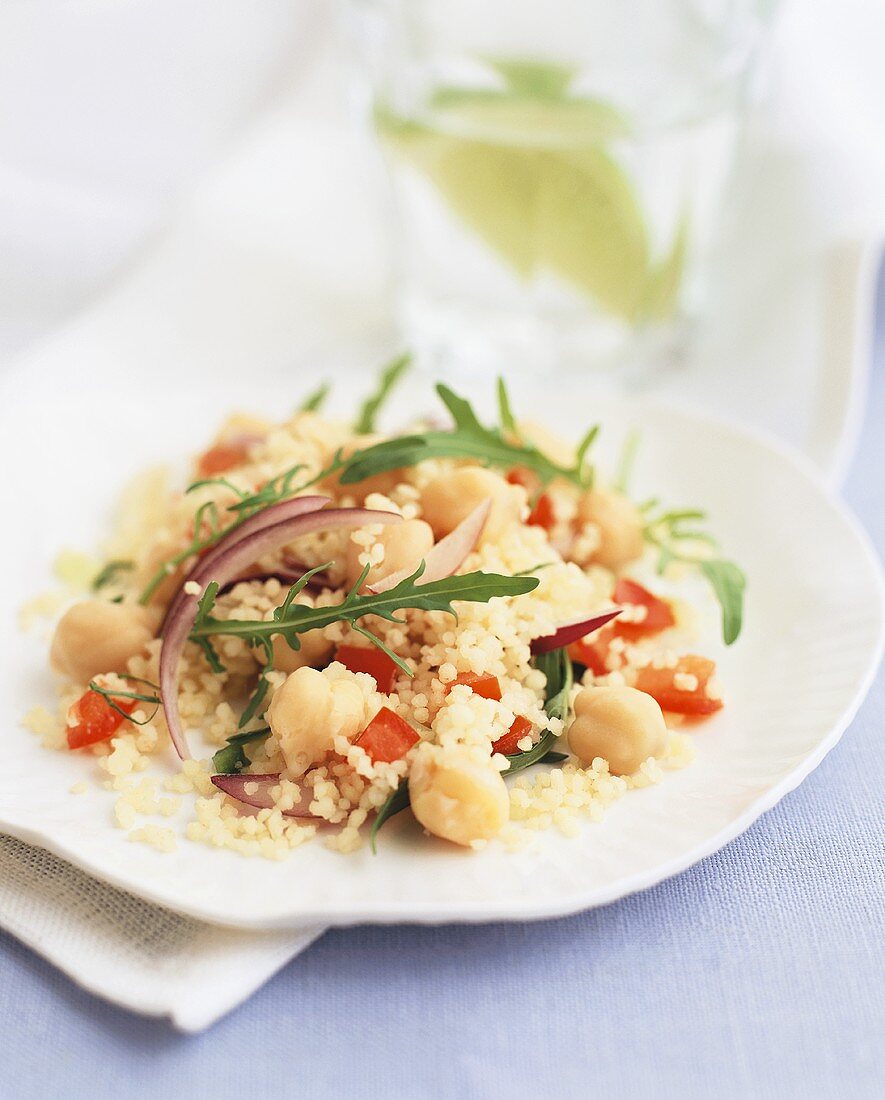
812 640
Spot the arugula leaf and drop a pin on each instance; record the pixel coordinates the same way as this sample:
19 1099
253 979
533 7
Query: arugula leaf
667 532
533 568
505 413
397 801
291 619
368 414
553 758
467 439
231 758
728 582
628 459
109 573
258 696
557 667
581 455
315 401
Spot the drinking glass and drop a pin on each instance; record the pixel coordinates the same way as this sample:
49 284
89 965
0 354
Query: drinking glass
557 170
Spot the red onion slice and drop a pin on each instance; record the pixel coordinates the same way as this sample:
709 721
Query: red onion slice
254 790
572 632
228 559
267 517
447 556
286 577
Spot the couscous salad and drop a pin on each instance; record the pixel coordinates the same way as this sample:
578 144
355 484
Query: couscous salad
325 626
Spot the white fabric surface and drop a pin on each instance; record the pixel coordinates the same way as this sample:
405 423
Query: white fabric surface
109 111
75 205
130 952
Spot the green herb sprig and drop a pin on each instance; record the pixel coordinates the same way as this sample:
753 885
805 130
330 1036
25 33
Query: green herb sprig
315 401
208 526
673 533
110 572
505 411
468 438
110 694
557 667
368 415
207 531
291 619
232 758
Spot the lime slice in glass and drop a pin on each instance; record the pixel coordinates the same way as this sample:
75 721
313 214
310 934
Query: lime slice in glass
533 176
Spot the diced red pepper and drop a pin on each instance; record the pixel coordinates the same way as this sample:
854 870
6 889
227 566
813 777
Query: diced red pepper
542 514
363 658
660 683
224 456
96 719
592 652
486 686
509 743
521 475
387 737
658 613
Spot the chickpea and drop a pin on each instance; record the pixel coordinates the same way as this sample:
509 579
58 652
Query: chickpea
459 798
405 545
450 498
308 711
96 636
622 725
315 651
620 526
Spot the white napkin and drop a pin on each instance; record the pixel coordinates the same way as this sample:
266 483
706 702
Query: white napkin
141 956
128 951
114 109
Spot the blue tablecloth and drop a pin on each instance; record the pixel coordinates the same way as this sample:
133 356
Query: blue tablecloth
759 972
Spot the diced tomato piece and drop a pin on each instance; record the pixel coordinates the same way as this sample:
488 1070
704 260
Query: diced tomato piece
542 515
387 737
661 684
592 652
363 658
224 456
509 743
96 719
486 686
658 613
520 475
